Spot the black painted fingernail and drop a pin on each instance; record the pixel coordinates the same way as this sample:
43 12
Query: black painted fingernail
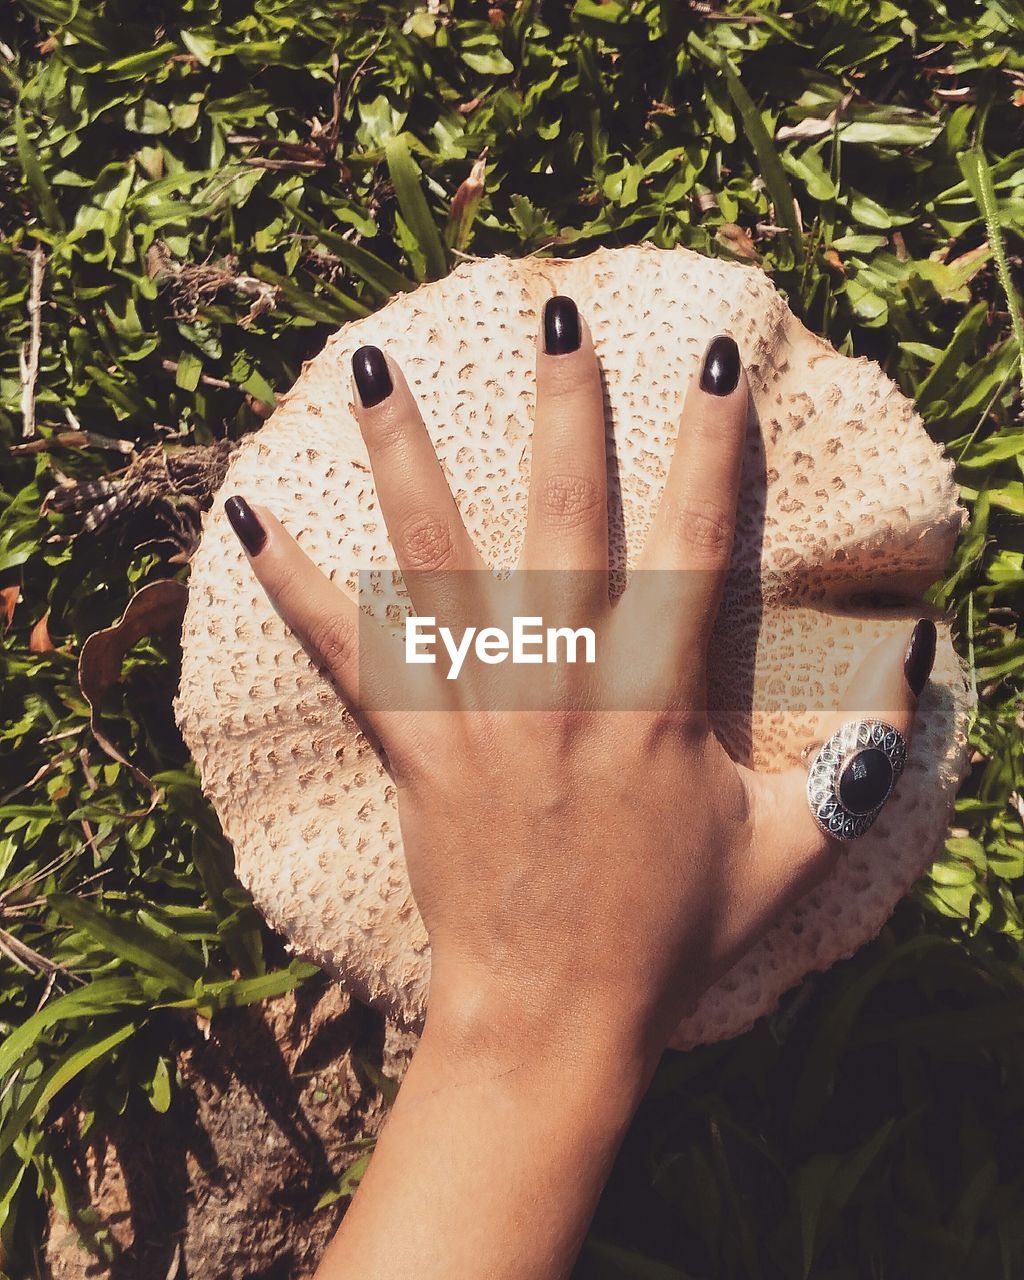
561 326
917 665
373 378
721 370
246 524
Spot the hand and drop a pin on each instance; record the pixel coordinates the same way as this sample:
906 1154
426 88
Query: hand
615 856
585 868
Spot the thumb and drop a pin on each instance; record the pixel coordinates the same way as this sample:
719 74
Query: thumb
860 770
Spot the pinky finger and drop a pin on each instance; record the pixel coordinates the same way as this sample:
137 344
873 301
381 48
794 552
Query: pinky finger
794 851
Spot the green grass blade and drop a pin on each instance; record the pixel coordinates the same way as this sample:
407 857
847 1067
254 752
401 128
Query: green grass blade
12 1170
832 1032
943 373
374 271
303 302
246 991
237 921
976 170
771 166
87 1050
169 959
406 178
102 995
604 1260
69 15
34 175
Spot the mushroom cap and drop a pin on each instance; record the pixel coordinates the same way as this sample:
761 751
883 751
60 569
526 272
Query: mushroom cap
845 499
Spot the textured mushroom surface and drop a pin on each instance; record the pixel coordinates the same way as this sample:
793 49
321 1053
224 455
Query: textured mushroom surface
845 501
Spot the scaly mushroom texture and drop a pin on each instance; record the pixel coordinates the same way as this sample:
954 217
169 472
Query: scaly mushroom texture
845 500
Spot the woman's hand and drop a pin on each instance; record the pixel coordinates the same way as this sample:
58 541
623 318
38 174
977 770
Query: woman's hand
586 866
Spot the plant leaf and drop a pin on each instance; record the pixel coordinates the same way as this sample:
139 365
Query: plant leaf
177 963
976 171
34 175
768 158
407 180
385 280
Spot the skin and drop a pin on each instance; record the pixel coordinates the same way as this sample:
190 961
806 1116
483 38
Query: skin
573 917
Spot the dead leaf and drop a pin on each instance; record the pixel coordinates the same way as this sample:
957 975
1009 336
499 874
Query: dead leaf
971 262
738 240
811 127
834 262
9 597
807 130
465 203
260 408
158 606
965 94
175 1267
39 639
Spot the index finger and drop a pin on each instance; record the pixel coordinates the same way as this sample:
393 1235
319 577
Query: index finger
355 652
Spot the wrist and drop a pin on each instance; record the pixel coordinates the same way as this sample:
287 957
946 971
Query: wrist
486 1025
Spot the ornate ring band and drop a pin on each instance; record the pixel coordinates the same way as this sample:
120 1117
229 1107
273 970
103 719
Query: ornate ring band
853 775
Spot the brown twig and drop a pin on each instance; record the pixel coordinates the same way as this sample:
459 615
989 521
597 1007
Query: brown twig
28 356
192 285
26 957
263 162
70 440
171 366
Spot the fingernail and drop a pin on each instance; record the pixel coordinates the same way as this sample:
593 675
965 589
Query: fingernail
246 524
721 370
561 326
917 665
373 378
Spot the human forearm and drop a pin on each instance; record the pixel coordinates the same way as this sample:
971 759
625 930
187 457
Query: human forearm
493 1159
585 847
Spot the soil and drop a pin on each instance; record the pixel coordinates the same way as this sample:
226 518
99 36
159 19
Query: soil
224 1184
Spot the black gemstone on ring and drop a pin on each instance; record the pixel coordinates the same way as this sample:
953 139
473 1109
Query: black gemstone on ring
865 780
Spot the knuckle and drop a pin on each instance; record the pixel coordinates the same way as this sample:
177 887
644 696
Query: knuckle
383 427
570 500
418 759
705 528
575 375
426 543
333 638
560 727
685 725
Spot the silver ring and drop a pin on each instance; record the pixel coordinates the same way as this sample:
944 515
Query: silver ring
853 775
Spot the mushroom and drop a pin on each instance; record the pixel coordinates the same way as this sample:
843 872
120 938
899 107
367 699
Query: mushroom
848 510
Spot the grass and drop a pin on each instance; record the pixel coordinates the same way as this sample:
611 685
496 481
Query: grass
312 157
